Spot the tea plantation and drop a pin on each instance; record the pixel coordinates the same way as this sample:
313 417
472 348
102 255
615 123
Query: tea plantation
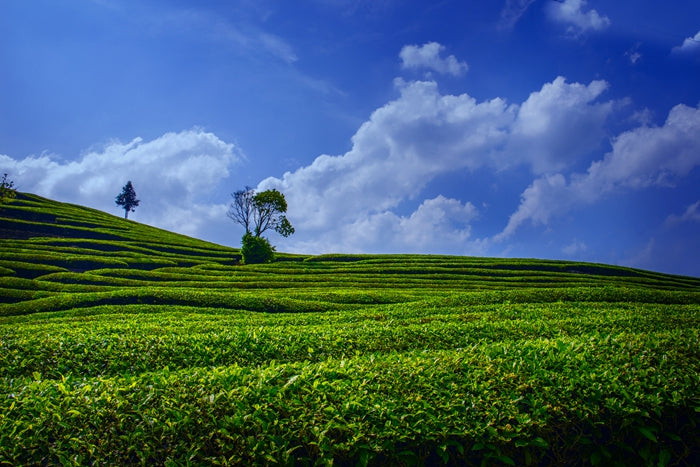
125 344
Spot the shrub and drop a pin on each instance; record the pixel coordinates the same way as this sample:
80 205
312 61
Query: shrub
7 189
256 250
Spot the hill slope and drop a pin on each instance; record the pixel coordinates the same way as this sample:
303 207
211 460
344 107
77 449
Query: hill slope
37 225
51 248
121 343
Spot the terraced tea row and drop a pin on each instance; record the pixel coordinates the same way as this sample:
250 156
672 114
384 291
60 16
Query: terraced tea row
132 338
534 402
138 256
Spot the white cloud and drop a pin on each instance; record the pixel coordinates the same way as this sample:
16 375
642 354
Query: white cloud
633 54
545 197
424 134
642 117
640 158
402 147
558 124
238 30
641 257
634 57
428 56
574 248
438 225
172 175
571 13
277 46
689 45
691 214
512 11
649 156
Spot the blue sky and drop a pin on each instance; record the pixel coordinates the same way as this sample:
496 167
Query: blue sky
562 129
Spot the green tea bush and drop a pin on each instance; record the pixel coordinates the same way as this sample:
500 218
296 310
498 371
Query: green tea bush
256 250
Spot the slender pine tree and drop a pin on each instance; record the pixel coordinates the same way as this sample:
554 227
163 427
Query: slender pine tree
127 199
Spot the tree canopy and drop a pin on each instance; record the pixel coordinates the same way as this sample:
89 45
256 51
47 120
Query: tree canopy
127 199
259 212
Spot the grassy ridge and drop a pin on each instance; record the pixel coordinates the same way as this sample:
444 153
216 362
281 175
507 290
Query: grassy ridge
121 343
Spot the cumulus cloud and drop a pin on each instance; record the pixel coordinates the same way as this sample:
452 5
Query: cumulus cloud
172 175
647 156
558 124
402 147
572 14
428 56
438 225
689 45
640 158
350 201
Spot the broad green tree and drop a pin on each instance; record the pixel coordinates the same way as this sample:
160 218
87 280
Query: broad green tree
259 212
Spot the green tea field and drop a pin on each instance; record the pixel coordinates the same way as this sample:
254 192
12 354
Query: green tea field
125 344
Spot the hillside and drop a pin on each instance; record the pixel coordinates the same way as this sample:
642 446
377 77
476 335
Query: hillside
122 343
46 244
39 224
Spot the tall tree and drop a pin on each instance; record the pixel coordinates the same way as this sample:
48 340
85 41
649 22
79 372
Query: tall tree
127 199
241 209
258 212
